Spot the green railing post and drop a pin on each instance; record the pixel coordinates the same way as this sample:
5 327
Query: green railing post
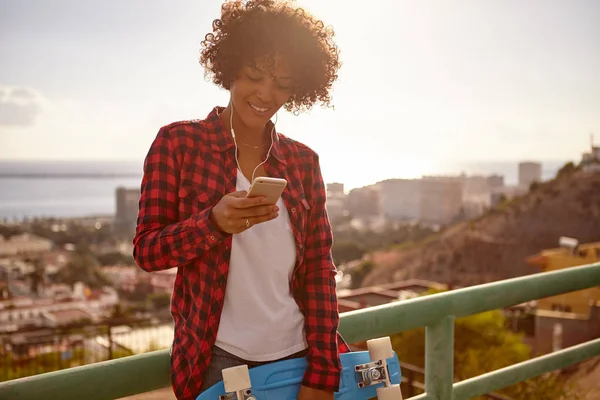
439 359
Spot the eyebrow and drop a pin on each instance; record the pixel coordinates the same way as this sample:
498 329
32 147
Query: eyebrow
281 78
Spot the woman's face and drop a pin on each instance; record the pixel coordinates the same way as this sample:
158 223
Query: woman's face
260 90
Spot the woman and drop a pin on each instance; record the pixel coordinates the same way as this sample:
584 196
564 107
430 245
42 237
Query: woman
255 281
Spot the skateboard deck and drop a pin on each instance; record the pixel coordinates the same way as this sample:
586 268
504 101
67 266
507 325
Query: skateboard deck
281 380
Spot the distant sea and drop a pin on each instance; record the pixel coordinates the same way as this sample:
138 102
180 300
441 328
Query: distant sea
63 197
76 197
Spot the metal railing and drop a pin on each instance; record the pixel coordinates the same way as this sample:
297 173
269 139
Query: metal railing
150 371
35 350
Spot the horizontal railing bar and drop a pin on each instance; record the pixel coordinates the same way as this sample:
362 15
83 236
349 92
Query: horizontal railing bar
98 381
387 319
515 373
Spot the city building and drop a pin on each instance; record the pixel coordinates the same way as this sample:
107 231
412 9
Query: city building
475 185
570 318
355 299
529 172
590 162
335 189
364 202
127 207
336 202
569 254
495 181
336 210
24 245
432 200
20 312
400 199
441 200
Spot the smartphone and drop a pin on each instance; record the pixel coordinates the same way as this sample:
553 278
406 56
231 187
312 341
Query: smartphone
270 188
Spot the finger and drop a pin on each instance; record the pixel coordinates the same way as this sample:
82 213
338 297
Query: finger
235 214
262 218
258 211
247 202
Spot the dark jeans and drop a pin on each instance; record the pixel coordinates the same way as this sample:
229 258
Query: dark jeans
221 359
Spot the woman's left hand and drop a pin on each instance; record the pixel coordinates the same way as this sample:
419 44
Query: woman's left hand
308 393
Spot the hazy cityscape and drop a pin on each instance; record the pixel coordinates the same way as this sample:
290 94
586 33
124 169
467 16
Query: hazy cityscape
70 293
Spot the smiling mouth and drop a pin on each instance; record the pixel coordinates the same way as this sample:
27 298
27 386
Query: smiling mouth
261 110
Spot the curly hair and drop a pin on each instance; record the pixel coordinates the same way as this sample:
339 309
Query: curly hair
251 29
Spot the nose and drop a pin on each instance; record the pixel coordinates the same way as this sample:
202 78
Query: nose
266 91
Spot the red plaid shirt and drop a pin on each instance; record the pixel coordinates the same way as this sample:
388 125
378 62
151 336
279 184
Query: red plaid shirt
189 167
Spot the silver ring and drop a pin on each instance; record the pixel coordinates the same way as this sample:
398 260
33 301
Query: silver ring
247 223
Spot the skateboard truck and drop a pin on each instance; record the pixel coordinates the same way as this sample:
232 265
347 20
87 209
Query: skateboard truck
246 395
371 373
376 371
237 384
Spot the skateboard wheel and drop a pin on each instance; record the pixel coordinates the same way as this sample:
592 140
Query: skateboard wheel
380 348
236 379
389 393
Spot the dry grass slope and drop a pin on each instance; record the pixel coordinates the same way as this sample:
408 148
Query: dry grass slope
495 246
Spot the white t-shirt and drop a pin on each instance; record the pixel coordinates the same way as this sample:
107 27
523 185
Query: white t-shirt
261 320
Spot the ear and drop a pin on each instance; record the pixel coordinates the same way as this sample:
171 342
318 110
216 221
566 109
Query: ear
228 85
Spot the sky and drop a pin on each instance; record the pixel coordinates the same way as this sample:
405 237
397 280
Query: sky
422 82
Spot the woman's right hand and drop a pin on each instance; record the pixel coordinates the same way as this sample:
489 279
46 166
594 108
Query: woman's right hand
235 212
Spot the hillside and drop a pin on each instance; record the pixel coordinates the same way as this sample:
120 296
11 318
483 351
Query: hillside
496 245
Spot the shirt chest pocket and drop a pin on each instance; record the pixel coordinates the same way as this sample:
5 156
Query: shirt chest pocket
192 200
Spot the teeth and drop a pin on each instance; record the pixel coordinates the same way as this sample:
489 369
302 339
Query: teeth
258 108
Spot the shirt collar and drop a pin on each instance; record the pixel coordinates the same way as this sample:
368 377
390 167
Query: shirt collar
222 139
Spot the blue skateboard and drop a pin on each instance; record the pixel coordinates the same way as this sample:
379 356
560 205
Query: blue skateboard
365 375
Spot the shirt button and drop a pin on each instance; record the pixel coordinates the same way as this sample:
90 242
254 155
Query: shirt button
293 209
300 247
212 237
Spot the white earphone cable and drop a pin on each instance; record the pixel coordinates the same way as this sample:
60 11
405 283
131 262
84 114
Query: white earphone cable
236 146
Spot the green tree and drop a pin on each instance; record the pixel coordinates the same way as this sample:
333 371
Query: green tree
83 267
159 300
482 343
359 272
535 185
153 346
9 231
346 250
37 276
116 258
567 169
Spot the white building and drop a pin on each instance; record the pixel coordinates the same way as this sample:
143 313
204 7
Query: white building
127 206
435 200
400 199
24 244
441 200
22 311
590 162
